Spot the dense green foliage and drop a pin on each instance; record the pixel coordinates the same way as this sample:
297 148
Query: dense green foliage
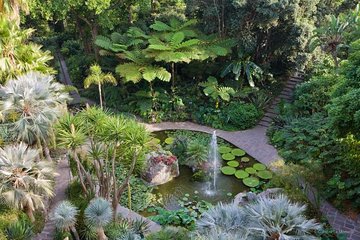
320 129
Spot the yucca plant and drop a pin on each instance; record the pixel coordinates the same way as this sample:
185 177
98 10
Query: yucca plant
71 134
99 78
266 218
64 217
20 230
35 100
226 220
25 180
216 92
279 218
97 215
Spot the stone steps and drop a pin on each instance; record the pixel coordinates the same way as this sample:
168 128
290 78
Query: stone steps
285 95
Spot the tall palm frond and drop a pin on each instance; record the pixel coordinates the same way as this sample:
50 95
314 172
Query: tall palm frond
99 78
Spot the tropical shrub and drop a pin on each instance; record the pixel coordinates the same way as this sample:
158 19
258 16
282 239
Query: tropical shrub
197 154
170 232
241 115
17 55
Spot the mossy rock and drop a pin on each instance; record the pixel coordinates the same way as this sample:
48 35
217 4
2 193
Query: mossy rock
245 159
259 166
224 149
251 182
264 174
238 152
169 140
240 174
233 163
228 156
250 170
227 170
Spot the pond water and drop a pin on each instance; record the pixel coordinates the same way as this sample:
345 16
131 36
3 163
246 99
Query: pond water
227 186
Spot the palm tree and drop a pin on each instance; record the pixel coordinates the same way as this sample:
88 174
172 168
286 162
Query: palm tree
17 54
98 214
98 77
24 179
64 217
12 9
36 101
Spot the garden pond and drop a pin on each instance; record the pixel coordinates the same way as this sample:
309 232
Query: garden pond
237 172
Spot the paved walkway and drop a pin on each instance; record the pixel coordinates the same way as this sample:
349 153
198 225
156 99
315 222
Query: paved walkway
61 184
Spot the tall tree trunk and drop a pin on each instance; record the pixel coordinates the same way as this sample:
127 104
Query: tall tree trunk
100 96
101 234
218 17
173 78
75 233
130 12
46 151
30 213
94 33
81 178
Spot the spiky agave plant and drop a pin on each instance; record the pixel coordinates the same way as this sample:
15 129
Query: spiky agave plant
35 100
64 216
97 215
224 221
24 180
279 218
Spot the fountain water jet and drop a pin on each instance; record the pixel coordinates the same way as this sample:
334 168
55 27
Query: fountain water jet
214 160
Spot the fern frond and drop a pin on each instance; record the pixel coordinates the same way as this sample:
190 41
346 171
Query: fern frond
130 72
160 26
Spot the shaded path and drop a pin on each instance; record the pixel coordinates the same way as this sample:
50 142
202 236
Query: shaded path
62 181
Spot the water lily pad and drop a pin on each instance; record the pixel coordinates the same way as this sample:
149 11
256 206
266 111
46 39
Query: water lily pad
259 166
233 163
169 140
228 156
238 152
227 170
156 140
224 149
241 174
251 182
264 174
250 170
245 159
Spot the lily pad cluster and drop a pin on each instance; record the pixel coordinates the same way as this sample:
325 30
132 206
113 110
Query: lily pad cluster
229 154
250 176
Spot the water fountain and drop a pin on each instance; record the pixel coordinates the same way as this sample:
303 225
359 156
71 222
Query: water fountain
214 161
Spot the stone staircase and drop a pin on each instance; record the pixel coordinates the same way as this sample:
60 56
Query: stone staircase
285 95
